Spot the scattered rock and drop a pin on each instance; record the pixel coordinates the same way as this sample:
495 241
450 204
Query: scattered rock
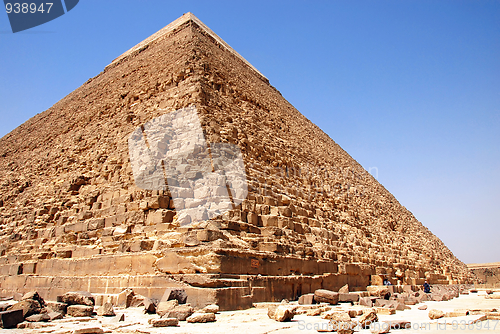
326 296
80 310
201 317
10 319
365 301
336 316
149 306
211 309
164 322
181 312
435 314
367 318
164 307
106 310
422 307
489 292
282 313
77 298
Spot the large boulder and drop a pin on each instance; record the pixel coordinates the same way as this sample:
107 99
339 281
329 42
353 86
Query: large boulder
77 298
326 296
10 319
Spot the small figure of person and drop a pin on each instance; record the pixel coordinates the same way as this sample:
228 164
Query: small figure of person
387 282
427 287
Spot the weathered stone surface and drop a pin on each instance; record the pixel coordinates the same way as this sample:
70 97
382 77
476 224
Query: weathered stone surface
33 295
38 317
149 306
28 306
306 299
422 307
181 312
165 306
281 313
10 319
365 301
77 298
348 297
435 314
106 310
57 307
179 295
55 315
80 310
164 322
326 296
211 309
201 317
336 316
125 298
367 318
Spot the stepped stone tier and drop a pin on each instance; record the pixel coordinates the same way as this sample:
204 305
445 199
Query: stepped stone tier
73 215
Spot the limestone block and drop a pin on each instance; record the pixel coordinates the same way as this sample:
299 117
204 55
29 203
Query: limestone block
80 310
306 299
180 312
269 220
77 298
212 308
201 317
326 296
10 318
106 310
164 322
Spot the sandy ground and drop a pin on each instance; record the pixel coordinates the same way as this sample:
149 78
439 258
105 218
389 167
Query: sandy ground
256 321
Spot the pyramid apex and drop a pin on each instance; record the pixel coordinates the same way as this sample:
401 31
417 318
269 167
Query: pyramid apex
186 17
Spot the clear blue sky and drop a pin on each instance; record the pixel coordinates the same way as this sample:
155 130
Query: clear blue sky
409 87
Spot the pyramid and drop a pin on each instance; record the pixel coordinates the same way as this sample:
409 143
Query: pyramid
95 197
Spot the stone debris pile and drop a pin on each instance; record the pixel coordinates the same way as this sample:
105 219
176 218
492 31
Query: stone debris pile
32 310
